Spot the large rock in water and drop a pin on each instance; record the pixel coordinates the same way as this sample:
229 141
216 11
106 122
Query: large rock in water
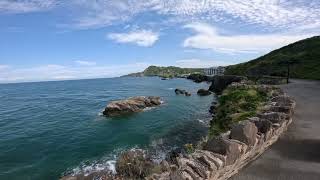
203 92
131 105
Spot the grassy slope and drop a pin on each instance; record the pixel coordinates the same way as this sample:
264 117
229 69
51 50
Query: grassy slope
305 54
236 104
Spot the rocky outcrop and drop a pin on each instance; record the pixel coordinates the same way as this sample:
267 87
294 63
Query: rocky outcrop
219 83
182 92
198 78
131 105
134 164
223 156
203 92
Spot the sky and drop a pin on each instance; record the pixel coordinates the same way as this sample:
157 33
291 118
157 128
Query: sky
44 40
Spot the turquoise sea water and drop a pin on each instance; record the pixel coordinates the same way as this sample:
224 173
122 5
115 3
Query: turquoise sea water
49 128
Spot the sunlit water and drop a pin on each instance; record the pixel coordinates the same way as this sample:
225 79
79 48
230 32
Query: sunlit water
49 128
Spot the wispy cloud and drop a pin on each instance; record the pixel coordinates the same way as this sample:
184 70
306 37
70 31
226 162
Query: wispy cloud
86 63
25 6
208 37
58 72
143 38
278 14
198 63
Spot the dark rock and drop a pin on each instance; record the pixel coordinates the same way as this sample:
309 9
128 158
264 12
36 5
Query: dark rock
198 78
182 92
134 164
263 126
273 117
212 109
131 105
245 132
179 91
203 92
173 154
225 147
187 94
219 83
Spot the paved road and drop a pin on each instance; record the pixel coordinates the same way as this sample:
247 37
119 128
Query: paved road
296 155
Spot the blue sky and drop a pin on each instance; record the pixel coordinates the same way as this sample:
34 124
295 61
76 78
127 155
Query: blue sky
75 39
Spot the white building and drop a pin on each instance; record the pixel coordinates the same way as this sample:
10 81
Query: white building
214 71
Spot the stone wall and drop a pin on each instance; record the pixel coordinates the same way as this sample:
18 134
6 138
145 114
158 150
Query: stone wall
223 156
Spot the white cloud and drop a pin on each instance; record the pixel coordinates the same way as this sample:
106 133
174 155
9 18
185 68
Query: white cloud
59 72
208 37
3 66
85 63
25 6
144 38
198 63
278 14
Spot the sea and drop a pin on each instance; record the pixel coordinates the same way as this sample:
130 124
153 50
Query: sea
50 129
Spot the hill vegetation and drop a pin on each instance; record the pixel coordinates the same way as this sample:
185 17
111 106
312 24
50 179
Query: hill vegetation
166 72
304 57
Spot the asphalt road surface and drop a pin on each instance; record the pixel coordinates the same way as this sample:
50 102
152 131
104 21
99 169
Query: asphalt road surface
296 155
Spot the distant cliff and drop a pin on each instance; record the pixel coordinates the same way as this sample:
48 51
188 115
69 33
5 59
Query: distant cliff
166 72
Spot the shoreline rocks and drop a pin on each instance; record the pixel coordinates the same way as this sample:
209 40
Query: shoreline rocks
131 105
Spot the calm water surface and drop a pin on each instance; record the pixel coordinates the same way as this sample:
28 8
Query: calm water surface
49 128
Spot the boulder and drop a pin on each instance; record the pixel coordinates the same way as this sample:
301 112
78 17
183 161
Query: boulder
203 92
245 132
182 92
230 149
131 105
263 125
134 164
179 91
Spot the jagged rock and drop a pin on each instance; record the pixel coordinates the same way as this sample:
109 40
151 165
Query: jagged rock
179 91
263 126
165 166
245 131
173 154
203 92
212 109
182 92
193 167
225 147
134 164
131 105
273 117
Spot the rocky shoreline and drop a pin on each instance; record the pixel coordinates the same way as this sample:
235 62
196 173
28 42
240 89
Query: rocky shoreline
214 158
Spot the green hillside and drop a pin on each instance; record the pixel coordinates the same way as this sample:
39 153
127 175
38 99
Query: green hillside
168 72
304 56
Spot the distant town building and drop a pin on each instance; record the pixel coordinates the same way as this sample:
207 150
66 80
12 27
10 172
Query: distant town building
214 71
